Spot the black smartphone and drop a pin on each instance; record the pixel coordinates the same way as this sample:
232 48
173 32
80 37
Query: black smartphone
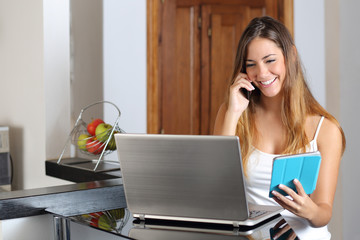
246 93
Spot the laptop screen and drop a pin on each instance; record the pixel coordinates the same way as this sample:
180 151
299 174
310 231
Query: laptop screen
183 175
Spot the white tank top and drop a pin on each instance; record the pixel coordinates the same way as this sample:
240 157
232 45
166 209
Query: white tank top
258 184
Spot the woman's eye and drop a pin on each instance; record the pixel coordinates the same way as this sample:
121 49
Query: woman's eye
250 65
270 60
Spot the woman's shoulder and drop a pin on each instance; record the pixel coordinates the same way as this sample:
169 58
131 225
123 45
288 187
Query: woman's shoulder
329 129
321 125
330 135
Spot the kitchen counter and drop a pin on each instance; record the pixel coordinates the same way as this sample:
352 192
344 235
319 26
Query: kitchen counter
81 170
66 200
120 223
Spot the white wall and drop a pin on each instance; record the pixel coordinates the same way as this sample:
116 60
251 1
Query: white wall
349 65
332 47
34 102
86 58
22 104
56 75
125 63
309 35
23 101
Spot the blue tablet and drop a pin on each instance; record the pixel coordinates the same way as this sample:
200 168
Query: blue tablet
304 167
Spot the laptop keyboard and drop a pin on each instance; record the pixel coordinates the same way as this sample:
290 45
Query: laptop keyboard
256 213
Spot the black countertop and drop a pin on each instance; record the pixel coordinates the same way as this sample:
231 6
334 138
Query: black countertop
66 200
81 170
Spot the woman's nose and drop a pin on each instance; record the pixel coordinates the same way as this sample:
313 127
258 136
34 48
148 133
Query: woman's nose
262 71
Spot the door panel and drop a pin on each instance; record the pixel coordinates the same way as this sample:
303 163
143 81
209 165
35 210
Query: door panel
180 82
223 48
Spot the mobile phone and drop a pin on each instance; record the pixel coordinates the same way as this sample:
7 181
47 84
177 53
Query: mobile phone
246 93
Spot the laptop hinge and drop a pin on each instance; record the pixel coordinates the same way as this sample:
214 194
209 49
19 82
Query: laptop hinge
236 224
142 224
142 216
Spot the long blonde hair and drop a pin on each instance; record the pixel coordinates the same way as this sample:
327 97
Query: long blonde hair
297 102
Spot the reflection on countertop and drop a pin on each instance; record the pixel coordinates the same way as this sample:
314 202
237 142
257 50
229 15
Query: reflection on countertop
120 222
110 220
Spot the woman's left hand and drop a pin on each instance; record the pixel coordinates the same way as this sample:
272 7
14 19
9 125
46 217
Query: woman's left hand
299 203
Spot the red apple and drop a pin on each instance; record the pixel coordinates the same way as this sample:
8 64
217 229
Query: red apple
94 146
91 127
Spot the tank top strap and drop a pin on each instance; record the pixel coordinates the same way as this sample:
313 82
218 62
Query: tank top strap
318 128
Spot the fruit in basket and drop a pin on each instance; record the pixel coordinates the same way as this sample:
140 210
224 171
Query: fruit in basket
82 139
91 127
94 146
112 144
102 132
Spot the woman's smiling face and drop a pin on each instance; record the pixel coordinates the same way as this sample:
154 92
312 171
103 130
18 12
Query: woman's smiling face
265 66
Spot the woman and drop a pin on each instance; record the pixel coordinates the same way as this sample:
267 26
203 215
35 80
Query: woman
280 117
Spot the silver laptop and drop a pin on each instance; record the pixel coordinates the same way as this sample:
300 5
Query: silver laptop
193 178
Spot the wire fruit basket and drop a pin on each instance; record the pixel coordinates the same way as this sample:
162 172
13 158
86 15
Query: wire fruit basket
96 144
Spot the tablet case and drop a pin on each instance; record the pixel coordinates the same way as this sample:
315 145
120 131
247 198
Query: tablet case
304 167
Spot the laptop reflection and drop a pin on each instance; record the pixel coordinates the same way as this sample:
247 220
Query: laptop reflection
160 229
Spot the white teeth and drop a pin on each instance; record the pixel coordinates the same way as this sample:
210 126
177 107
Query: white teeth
268 82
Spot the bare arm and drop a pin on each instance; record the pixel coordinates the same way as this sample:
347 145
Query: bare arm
225 123
317 208
330 146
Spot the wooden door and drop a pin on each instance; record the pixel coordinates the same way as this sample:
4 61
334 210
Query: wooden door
180 78
191 50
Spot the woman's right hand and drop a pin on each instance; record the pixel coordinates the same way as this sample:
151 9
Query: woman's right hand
237 101
229 114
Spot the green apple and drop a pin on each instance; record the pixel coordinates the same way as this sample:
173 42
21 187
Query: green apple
82 139
102 132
